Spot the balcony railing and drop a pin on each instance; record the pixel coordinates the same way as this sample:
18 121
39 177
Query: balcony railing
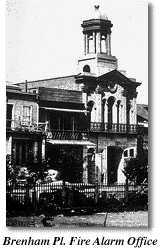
113 128
69 134
16 125
43 127
66 135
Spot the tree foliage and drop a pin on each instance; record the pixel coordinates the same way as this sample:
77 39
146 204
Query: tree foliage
136 169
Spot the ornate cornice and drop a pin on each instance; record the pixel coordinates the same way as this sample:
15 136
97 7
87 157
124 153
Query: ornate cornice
99 90
129 94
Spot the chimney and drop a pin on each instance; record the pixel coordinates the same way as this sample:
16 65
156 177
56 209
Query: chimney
25 89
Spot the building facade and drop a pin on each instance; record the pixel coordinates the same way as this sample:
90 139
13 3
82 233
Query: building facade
23 138
89 119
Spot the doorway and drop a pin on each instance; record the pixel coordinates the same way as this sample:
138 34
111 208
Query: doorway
114 155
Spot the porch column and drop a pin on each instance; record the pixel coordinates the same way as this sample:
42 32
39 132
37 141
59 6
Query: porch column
35 151
14 152
27 151
43 148
9 146
20 152
85 165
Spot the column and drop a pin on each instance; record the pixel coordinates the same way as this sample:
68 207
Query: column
9 146
84 44
87 38
106 174
35 151
94 42
14 152
85 164
114 110
107 36
28 151
135 111
125 110
43 149
37 114
106 112
20 152
109 44
84 94
121 114
98 42
84 99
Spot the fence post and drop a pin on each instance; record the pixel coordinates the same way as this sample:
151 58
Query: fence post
96 187
126 190
96 192
27 192
64 198
34 203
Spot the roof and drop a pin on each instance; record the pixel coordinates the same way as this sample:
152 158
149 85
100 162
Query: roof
142 111
12 87
115 74
48 79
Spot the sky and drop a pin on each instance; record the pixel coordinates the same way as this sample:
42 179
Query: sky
43 38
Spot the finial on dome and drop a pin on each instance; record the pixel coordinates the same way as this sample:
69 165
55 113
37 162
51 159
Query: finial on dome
96 7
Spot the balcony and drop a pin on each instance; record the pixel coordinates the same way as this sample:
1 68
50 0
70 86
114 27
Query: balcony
113 128
66 135
16 125
12 125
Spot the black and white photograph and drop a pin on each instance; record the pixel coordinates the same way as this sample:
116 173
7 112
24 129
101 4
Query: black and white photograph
76 76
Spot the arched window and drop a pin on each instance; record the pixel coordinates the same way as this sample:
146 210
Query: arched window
90 43
90 105
111 101
87 69
128 108
103 110
118 109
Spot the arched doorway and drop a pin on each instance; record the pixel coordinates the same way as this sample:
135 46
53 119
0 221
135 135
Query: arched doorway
114 155
91 165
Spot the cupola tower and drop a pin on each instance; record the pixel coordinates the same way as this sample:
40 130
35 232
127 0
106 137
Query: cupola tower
97 58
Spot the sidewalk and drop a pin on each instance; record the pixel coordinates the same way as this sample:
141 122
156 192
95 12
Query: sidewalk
125 219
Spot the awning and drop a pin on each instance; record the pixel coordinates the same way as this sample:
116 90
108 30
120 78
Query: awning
71 142
66 110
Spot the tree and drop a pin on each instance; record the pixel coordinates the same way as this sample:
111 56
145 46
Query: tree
136 169
68 162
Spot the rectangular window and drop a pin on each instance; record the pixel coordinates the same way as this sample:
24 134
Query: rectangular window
9 115
125 153
131 152
23 153
26 115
